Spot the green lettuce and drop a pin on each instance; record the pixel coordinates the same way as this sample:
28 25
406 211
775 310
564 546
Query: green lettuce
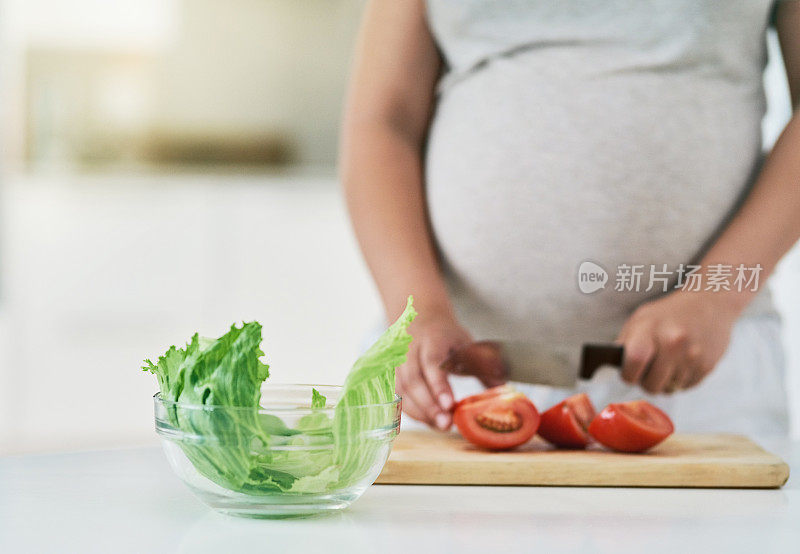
223 372
317 400
234 446
370 381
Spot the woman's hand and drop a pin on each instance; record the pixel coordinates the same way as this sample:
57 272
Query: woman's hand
422 380
674 342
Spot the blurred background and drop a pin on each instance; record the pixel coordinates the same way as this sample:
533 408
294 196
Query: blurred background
168 166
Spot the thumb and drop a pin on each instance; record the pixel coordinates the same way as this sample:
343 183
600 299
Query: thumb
479 359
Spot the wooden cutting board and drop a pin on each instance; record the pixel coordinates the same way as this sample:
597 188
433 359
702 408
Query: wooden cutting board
719 460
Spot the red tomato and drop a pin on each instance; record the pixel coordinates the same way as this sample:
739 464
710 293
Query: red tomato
497 419
565 423
631 426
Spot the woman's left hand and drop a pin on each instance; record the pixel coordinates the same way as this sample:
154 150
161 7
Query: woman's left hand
674 342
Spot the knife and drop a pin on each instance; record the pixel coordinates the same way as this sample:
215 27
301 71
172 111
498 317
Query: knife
536 363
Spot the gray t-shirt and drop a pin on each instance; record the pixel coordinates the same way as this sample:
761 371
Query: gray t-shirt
622 132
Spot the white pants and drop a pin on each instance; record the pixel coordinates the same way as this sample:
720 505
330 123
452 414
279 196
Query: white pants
745 393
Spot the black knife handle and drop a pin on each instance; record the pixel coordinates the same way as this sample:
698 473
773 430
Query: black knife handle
596 355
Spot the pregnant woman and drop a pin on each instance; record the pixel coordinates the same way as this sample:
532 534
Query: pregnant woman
490 148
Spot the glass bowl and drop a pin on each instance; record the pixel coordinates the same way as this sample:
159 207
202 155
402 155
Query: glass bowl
284 459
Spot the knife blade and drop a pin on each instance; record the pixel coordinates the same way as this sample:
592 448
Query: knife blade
541 364
560 366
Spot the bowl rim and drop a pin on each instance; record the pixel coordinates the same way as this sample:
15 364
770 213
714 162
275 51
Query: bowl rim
159 399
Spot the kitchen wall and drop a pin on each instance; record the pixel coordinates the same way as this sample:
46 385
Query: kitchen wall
276 65
110 82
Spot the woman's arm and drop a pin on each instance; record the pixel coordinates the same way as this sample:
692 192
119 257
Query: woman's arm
674 342
385 124
768 223
386 121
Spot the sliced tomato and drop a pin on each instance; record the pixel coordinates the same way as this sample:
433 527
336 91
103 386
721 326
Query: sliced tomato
631 426
566 423
497 419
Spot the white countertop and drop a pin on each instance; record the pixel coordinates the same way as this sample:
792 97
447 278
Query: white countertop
129 501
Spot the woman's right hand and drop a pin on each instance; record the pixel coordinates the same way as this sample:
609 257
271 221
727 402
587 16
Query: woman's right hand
422 380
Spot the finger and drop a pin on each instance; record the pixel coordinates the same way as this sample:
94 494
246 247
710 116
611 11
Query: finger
697 377
640 350
436 379
671 355
410 407
659 375
411 410
692 371
415 388
683 374
419 393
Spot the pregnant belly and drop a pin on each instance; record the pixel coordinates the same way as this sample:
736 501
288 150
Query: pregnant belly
530 174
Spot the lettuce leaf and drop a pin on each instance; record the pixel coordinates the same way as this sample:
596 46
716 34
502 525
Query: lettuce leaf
317 400
234 447
316 483
370 381
223 372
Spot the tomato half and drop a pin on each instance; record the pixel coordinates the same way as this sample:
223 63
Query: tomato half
566 423
497 419
631 426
